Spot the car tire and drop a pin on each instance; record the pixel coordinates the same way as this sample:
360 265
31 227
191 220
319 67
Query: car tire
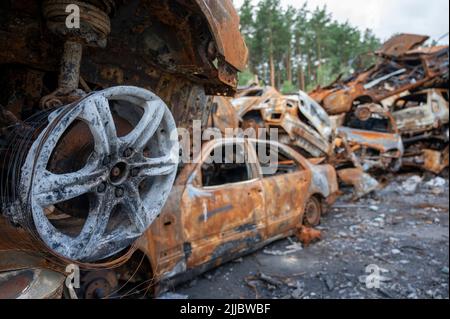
313 212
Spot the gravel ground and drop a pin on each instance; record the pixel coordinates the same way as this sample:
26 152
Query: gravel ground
402 229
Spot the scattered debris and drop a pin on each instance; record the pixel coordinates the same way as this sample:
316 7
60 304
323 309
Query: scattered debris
270 280
289 250
410 185
436 182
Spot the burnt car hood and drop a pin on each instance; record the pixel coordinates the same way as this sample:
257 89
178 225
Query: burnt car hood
384 142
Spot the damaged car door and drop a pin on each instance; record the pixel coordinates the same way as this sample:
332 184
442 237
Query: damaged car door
225 210
281 171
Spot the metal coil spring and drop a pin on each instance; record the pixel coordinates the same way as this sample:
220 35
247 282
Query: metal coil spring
90 16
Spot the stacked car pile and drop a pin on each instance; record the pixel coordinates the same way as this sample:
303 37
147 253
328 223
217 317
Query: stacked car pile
393 115
409 85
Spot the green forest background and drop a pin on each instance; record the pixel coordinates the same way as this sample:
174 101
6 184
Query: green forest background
296 48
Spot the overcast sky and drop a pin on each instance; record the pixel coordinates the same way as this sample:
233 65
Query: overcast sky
386 17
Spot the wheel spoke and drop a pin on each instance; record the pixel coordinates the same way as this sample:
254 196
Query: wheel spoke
56 188
135 208
147 126
155 166
101 122
95 226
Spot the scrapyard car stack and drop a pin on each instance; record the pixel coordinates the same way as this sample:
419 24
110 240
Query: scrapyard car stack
408 83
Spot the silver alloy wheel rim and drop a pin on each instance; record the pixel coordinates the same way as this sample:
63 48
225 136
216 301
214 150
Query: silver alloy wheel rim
42 188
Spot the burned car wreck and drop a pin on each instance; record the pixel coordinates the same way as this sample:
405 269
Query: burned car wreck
410 84
422 118
87 157
300 121
371 141
402 65
221 210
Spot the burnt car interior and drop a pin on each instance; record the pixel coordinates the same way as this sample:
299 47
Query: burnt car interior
226 170
412 100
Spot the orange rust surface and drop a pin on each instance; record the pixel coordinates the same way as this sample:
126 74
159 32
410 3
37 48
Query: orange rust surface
401 44
435 161
371 135
224 21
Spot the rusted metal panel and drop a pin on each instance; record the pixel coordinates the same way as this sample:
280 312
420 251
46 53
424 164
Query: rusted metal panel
383 142
434 161
249 99
223 115
280 203
224 23
401 43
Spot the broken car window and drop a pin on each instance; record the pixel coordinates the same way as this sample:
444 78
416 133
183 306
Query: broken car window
280 164
410 101
228 165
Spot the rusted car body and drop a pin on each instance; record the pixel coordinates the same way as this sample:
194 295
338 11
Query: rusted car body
372 141
248 105
204 226
71 94
421 112
223 115
301 122
422 118
402 65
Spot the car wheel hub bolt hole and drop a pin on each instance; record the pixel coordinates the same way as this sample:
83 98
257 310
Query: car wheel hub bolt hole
118 173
